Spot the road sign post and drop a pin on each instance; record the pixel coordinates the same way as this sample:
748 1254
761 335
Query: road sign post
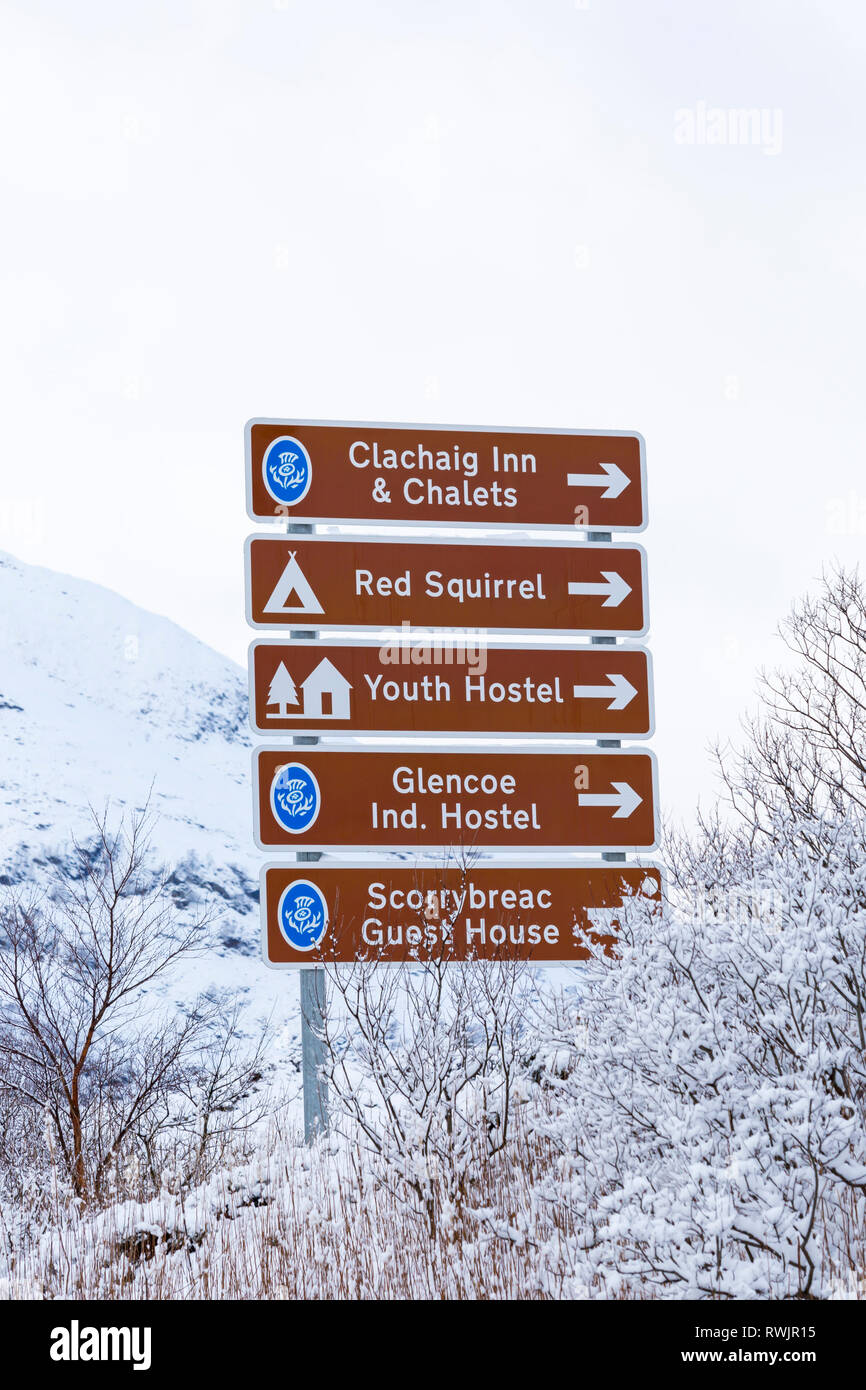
338 582
340 797
313 1004
390 914
312 985
445 475
434 672
437 686
615 856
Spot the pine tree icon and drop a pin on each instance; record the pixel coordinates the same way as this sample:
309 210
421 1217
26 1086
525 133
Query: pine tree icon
282 692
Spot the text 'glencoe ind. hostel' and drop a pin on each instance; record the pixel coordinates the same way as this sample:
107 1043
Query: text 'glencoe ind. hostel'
530 643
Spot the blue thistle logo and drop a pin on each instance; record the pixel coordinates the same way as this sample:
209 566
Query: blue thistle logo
287 470
303 915
295 798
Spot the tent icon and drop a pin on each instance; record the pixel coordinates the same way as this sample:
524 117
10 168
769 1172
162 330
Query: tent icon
293 581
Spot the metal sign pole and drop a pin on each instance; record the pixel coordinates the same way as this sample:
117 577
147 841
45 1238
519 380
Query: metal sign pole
312 990
313 1047
605 536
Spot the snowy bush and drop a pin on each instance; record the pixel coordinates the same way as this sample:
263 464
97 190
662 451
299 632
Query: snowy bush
97 1085
711 1130
424 1066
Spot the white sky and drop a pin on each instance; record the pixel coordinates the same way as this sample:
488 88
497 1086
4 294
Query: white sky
438 211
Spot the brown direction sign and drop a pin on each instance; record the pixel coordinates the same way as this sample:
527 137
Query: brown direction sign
421 798
313 913
450 475
327 582
436 687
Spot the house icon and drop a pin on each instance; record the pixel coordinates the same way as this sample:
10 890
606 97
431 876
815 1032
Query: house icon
326 693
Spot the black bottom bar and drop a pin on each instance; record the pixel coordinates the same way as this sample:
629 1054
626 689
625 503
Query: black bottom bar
224 1340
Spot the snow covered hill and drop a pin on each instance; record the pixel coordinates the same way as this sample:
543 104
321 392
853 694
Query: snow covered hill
102 703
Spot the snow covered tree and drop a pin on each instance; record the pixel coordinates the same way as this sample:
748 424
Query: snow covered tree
425 1081
81 1047
711 1119
710 1115
806 750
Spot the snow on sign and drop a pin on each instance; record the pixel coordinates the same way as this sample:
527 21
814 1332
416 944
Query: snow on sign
390 913
422 798
446 475
327 582
437 687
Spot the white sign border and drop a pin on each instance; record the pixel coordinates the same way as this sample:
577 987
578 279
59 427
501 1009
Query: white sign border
512 863
447 735
287 514
437 850
296 622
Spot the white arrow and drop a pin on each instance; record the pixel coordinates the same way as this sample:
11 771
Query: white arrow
613 480
615 589
620 692
626 800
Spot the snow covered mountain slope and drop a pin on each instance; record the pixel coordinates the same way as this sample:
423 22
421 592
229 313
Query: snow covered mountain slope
103 704
99 699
